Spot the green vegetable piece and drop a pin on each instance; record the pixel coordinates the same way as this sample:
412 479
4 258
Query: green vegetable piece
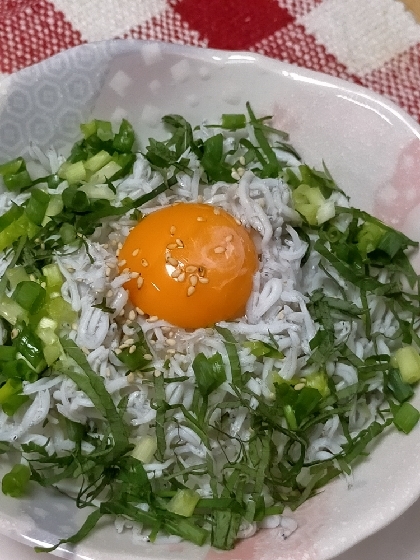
309 202
15 483
233 121
259 348
88 128
30 296
318 380
145 449
136 360
67 233
17 181
406 417
15 275
22 226
7 353
97 161
73 172
52 348
402 391
60 311
10 216
369 237
408 362
184 502
11 398
12 167
209 372
124 139
53 277
37 206
11 310
30 346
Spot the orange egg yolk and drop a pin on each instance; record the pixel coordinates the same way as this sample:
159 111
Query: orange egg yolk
195 265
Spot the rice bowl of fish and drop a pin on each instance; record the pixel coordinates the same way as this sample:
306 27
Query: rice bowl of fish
209 306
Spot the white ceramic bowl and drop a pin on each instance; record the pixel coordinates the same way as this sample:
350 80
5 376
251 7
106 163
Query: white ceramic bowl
372 149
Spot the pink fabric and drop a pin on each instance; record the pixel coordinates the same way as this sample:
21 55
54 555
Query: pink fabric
374 43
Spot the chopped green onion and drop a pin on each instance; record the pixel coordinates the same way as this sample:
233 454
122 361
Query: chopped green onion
408 362
30 296
406 417
145 449
184 502
15 482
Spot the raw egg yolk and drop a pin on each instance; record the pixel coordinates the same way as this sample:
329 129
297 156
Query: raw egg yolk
190 264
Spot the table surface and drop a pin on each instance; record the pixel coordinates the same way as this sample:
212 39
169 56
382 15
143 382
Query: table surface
61 19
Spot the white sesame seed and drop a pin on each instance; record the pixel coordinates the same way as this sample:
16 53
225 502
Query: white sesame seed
139 311
112 265
238 221
105 246
117 252
14 333
120 245
171 351
157 373
152 319
128 341
172 230
181 277
203 280
109 293
74 326
131 377
122 312
126 270
172 261
113 242
242 160
144 262
190 291
135 252
200 219
122 263
219 250
171 246
171 342
148 356
118 351
176 273
190 268
229 238
134 275
140 281
107 271
179 243
235 175
299 386
132 349
193 280
43 285
241 171
132 315
216 211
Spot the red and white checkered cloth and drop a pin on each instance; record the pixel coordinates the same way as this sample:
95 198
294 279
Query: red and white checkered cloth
375 43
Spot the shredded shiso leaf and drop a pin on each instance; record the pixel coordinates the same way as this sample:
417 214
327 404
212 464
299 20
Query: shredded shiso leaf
274 461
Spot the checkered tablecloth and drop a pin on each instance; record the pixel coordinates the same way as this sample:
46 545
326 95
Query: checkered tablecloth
375 43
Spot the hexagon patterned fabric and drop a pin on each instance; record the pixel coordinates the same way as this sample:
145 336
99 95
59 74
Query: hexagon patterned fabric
374 43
